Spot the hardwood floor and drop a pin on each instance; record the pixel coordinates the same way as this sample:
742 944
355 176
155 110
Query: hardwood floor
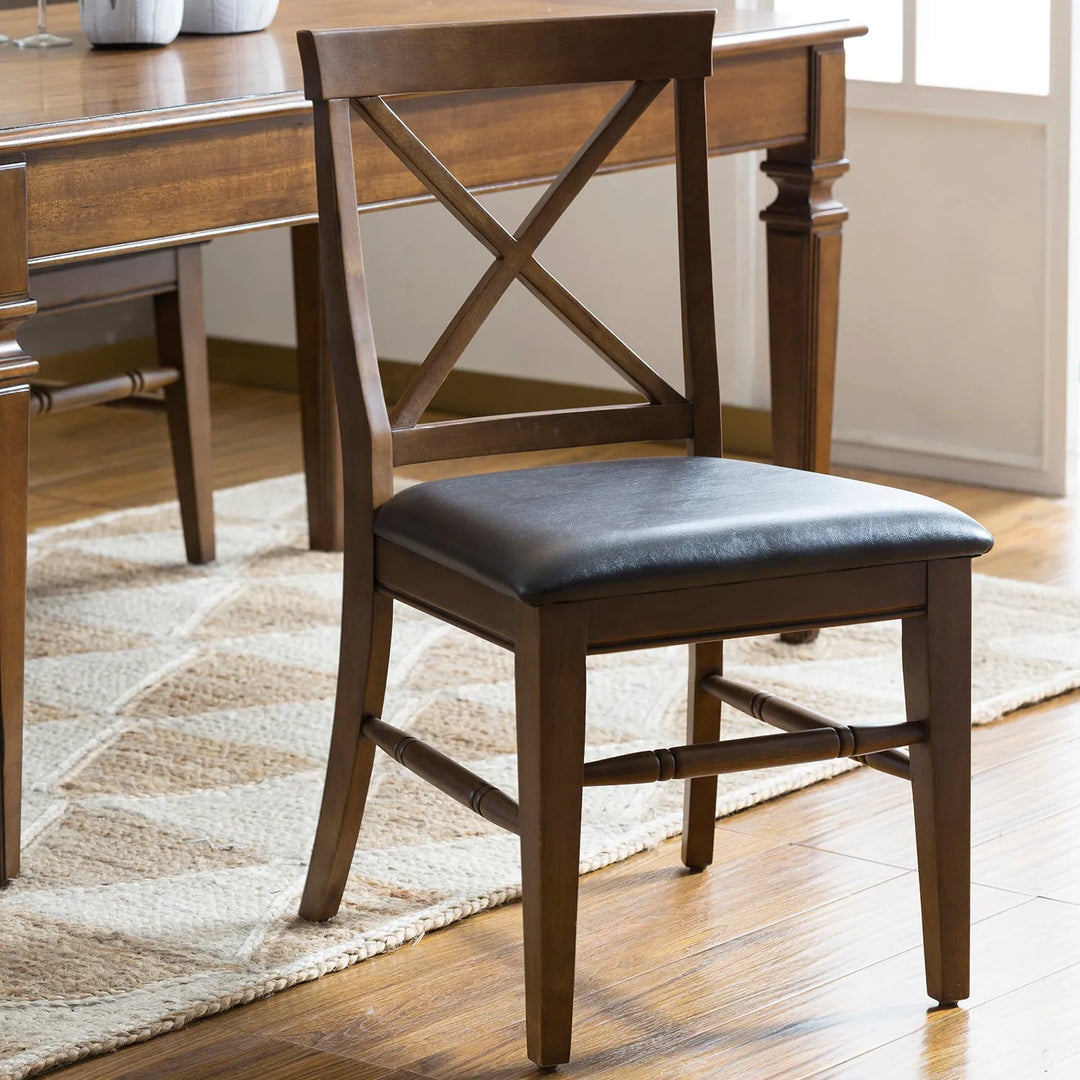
796 955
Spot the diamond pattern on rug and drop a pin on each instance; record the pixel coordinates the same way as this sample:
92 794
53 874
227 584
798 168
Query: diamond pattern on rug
217 680
179 717
90 682
46 636
258 609
152 611
160 761
275 817
67 572
50 959
102 846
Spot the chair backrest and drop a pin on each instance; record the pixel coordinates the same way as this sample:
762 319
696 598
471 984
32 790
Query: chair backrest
349 72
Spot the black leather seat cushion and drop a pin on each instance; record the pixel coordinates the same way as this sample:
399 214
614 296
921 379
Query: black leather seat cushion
574 532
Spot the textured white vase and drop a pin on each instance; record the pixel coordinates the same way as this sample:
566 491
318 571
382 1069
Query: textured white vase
131 22
227 16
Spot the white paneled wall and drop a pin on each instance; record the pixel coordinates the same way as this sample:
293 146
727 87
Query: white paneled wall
943 318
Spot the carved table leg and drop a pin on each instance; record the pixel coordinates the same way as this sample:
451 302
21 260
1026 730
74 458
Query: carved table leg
318 410
16 368
803 241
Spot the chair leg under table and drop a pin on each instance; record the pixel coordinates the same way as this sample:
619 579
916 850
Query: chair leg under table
937 683
318 408
550 680
181 343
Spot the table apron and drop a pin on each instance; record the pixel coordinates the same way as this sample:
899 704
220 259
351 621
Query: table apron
156 188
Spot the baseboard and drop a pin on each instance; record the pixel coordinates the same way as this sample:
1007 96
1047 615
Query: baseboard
252 363
100 360
465 393
1025 473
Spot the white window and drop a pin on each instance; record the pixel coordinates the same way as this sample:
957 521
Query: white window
877 57
983 45
994 45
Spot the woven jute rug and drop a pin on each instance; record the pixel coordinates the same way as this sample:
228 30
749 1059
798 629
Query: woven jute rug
177 722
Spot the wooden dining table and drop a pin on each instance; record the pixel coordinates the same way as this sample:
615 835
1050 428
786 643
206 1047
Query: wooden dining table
106 153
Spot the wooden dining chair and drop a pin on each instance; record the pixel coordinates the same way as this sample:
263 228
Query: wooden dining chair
179 384
559 562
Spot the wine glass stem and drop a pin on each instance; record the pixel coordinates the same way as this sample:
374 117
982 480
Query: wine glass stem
42 18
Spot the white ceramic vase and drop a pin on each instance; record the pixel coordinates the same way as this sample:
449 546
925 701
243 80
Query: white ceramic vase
131 22
227 16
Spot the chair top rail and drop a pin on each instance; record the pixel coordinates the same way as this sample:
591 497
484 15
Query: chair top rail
444 57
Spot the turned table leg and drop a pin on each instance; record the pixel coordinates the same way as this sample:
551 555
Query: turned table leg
803 235
16 368
803 241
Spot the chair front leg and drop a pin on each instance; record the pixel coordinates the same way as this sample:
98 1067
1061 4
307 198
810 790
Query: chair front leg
365 655
550 678
937 685
702 725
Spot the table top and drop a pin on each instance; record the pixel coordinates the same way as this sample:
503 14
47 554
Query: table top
80 91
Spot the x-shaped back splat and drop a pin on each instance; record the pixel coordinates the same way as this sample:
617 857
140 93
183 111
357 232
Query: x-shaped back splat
514 254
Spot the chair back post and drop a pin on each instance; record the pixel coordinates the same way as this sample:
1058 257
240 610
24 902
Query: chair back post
366 438
700 372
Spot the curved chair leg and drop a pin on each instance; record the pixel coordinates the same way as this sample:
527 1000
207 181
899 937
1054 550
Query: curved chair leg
365 654
181 342
702 725
937 684
550 677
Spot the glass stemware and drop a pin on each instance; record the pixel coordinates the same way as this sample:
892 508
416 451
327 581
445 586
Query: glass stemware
42 39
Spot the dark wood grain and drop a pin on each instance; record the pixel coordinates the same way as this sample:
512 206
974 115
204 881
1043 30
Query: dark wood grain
517 254
442 183
451 778
803 227
549 673
104 89
485 55
700 372
523 432
173 280
937 681
318 406
47 398
181 341
702 726
365 653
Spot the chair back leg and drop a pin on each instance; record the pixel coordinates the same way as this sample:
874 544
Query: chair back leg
702 726
181 342
550 680
365 656
937 686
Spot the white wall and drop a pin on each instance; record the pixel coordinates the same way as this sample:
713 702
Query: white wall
943 319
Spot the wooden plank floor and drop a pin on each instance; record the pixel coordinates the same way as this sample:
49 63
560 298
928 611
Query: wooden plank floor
796 955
